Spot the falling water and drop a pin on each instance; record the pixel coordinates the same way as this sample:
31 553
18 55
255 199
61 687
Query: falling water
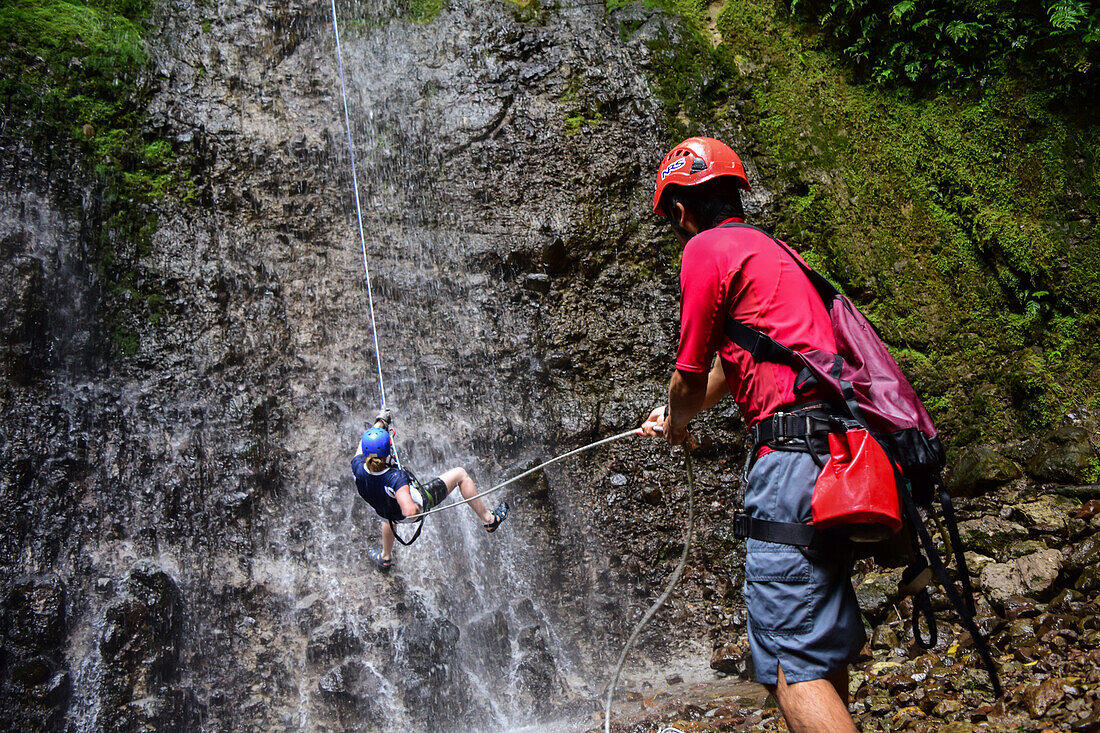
464 634
193 504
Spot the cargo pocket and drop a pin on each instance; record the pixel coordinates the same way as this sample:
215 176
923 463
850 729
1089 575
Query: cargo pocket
778 588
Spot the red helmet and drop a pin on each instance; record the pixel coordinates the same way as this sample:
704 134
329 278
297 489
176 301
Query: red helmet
694 161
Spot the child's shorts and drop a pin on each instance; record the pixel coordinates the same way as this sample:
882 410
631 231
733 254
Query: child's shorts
802 609
429 494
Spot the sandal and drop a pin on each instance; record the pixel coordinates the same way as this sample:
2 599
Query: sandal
499 515
375 554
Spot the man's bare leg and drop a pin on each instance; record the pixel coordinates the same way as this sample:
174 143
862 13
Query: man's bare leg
815 706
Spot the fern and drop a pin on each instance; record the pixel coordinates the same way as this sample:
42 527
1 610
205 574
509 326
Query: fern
1066 15
956 43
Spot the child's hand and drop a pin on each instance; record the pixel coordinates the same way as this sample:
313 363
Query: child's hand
384 416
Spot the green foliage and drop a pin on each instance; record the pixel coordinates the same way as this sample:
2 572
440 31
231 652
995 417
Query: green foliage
76 63
73 81
424 11
962 222
941 216
959 42
690 76
578 122
1092 474
527 11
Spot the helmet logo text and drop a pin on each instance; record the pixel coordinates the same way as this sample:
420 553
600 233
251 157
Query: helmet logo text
673 166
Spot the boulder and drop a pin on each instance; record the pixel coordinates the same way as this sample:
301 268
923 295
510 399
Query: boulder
1021 548
990 535
1065 456
980 468
876 590
1031 576
884 637
1048 513
1089 580
729 659
651 494
1084 553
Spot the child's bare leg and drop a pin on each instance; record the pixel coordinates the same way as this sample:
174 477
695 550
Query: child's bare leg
387 540
457 477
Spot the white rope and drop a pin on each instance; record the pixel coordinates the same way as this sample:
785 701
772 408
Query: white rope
528 472
358 209
660 601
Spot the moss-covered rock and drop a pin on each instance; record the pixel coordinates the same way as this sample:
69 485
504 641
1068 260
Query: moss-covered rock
979 468
1064 456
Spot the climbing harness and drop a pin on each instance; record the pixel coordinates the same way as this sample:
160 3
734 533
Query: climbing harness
429 499
688 533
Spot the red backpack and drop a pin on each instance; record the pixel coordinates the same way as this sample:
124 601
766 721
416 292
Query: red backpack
863 380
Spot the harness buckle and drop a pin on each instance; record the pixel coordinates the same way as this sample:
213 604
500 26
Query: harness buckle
789 428
741 524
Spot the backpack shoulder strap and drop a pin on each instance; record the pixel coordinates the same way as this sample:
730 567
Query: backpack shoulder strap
761 346
824 288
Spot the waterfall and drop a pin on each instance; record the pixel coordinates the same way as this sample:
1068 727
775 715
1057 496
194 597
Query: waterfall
184 509
463 634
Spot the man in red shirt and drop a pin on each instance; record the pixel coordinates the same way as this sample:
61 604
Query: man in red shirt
804 622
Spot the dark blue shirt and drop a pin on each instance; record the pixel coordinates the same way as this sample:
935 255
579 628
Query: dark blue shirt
379 490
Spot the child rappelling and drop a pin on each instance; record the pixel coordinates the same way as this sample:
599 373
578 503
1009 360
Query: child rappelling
396 495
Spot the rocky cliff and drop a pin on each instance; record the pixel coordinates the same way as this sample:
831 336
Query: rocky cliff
183 386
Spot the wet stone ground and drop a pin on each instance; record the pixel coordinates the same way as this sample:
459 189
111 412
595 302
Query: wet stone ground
1038 603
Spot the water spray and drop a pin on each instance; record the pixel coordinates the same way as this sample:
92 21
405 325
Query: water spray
528 472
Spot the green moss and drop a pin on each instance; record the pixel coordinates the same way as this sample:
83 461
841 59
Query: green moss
962 223
940 213
528 11
424 11
72 82
578 122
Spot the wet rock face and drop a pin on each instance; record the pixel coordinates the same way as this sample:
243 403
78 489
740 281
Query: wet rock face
35 681
526 305
140 652
220 445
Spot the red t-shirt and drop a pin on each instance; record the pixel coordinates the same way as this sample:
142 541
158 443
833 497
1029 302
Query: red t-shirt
744 273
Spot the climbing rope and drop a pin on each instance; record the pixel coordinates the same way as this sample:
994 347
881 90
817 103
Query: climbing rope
358 208
661 600
528 472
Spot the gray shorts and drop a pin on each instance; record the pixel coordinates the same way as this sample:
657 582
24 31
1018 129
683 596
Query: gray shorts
802 609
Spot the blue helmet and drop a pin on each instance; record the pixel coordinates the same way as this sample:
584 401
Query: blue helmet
376 443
